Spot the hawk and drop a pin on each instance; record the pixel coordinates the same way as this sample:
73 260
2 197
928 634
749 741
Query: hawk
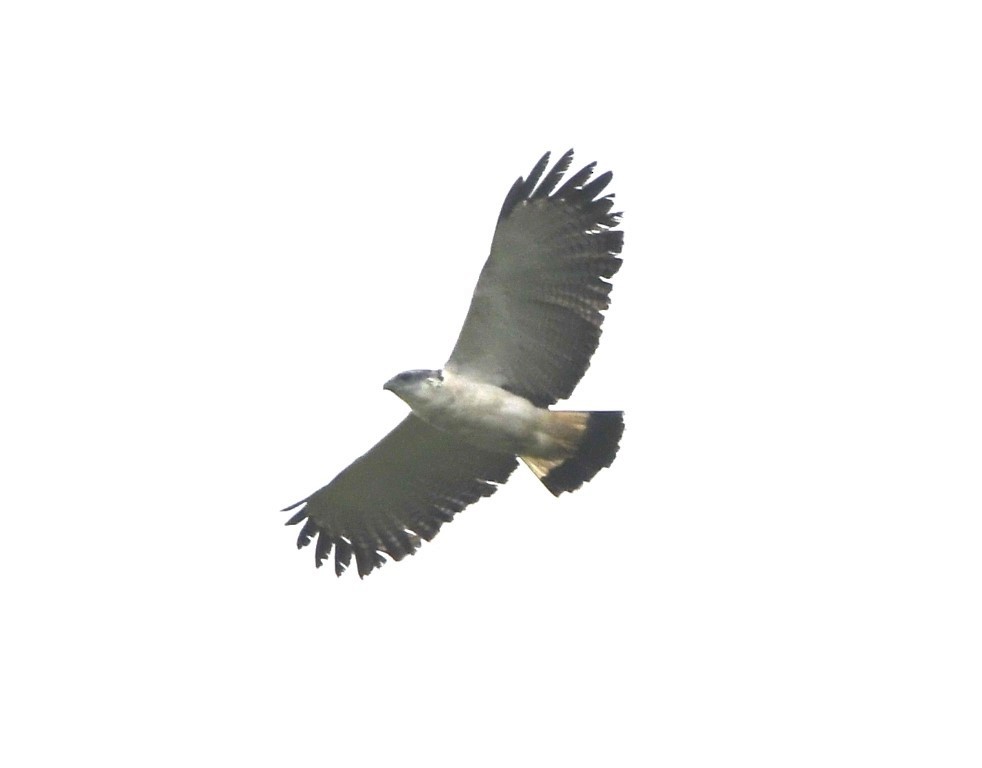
534 322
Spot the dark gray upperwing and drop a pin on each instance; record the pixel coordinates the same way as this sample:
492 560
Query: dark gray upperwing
534 321
412 482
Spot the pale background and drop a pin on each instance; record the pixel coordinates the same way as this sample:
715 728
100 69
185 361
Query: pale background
225 225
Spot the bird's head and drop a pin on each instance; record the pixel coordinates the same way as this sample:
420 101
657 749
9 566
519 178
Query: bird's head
415 386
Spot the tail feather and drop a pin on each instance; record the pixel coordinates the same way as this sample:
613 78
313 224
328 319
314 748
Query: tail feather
595 449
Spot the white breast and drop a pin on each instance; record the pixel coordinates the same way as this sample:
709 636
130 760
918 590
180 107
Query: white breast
485 415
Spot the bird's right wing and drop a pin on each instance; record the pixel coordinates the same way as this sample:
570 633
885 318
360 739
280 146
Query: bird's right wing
412 482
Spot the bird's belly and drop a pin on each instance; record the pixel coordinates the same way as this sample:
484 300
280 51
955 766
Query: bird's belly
493 419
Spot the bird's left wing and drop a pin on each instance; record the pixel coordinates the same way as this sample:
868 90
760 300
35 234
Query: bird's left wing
535 317
412 482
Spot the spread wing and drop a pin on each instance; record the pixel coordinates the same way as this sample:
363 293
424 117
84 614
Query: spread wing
534 321
412 482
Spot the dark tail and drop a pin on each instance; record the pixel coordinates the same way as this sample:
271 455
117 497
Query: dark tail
595 450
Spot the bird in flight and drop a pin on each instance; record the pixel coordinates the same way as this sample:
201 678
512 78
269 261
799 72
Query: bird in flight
532 326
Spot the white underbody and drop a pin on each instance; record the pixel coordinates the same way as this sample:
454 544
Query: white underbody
490 417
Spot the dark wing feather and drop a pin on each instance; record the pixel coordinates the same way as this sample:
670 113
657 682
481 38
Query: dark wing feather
535 317
412 482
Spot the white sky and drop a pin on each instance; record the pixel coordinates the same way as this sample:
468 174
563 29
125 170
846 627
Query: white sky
225 225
